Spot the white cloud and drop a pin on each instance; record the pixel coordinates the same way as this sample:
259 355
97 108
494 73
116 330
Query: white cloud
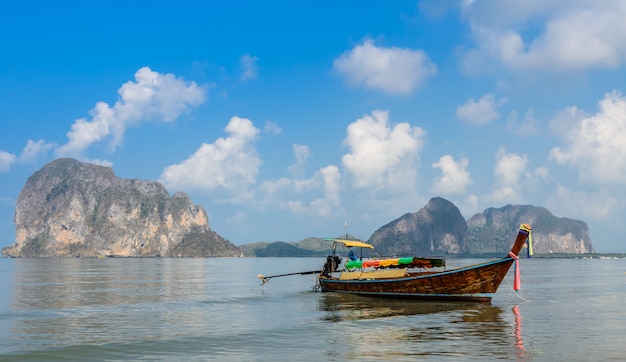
326 183
302 154
33 150
478 113
272 128
509 170
83 132
151 96
8 201
302 185
96 161
597 205
230 164
250 68
454 176
323 190
239 218
565 120
596 145
331 199
275 187
571 35
525 127
6 160
391 70
472 202
30 153
467 203
382 156
542 173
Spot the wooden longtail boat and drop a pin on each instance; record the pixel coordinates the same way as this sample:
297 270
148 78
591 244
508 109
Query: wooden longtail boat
477 282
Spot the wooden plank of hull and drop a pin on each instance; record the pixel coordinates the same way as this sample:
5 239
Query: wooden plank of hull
476 282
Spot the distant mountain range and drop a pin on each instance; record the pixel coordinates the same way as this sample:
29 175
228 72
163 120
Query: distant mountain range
74 209
440 229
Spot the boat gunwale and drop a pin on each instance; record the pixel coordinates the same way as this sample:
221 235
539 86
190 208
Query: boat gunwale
419 276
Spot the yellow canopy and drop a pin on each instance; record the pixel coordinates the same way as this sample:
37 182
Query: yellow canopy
351 243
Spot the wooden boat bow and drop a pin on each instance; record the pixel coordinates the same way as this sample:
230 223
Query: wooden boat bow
522 236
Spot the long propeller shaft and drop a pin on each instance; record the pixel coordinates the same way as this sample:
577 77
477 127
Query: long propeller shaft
265 279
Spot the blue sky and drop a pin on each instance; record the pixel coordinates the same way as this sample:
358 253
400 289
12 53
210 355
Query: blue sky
285 119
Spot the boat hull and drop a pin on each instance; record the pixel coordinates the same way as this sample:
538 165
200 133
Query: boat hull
477 282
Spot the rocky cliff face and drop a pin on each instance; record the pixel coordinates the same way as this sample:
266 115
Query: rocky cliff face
438 228
494 229
70 208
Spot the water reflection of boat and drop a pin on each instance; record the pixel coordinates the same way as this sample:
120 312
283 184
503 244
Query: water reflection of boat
378 328
341 306
519 342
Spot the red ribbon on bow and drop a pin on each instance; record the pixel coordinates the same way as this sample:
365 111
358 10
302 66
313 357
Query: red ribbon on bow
517 281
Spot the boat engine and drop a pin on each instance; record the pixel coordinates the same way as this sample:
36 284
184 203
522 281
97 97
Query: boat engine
332 263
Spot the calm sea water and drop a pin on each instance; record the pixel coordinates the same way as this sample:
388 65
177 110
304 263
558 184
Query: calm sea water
215 309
